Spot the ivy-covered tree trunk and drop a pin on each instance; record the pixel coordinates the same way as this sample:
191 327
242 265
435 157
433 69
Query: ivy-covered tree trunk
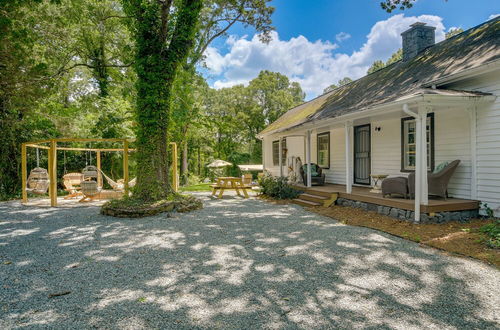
159 55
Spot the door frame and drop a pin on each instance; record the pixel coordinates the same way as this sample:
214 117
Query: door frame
369 154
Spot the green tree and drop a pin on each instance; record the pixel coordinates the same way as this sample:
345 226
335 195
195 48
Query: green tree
164 33
340 83
216 19
24 68
390 5
396 56
377 65
453 32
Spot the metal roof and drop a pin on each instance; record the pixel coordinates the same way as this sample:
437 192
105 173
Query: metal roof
468 50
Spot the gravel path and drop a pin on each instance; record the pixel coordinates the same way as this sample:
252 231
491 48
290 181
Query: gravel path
235 264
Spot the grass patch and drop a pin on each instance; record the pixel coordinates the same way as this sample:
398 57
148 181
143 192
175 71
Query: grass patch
197 187
492 233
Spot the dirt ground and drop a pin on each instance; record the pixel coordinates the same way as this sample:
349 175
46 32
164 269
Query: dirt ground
455 237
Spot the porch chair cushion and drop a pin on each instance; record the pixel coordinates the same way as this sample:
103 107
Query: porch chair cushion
317 175
397 185
437 182
440 167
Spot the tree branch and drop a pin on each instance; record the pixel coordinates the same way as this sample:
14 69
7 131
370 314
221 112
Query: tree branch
204 47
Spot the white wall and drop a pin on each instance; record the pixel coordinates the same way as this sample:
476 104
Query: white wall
452 141
488 139
268 154
386 147
295 146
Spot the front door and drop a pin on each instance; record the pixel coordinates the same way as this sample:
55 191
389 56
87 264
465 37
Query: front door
362 148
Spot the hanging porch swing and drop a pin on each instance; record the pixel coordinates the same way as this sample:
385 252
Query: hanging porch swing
38 180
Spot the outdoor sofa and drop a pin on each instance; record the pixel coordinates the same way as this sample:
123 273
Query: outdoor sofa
437 182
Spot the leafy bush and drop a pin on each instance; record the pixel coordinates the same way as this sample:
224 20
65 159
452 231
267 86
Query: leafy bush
492 231
277 187
193 179
487 210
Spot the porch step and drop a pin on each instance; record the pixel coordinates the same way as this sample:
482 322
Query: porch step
313 198
317 192
310 198
304 202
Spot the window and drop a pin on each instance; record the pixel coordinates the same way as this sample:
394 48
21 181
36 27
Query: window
276 150
324 150
408 143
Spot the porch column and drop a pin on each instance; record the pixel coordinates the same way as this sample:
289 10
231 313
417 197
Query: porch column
473 153
422 111
348 165
280 158
421 193
308 158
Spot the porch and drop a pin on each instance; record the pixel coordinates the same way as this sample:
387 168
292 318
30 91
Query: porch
363 194
412 134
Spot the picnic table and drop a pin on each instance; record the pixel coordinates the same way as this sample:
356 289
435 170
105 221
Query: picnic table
229 183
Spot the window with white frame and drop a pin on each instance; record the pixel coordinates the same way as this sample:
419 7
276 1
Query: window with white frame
324 150
408 143
276 152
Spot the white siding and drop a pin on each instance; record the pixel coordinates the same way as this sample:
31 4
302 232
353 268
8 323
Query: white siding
488 140
268 154
452 141
336 173
295 147
386 147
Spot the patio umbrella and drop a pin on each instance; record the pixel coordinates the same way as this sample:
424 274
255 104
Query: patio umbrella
219 163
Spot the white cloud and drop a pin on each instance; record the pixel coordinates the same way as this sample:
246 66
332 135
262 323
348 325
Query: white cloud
493 16
342 36
315 65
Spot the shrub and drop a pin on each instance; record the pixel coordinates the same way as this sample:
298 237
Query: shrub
492 231
193 179
277 187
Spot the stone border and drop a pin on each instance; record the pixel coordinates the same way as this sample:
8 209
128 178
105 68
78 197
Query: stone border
407 215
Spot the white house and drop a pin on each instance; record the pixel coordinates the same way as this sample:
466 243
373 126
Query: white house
439 103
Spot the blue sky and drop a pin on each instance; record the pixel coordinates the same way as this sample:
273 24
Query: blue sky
318 42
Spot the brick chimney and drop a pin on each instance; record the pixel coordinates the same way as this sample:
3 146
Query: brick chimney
416 39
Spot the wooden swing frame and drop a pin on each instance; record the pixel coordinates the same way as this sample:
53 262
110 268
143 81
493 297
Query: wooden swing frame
52 168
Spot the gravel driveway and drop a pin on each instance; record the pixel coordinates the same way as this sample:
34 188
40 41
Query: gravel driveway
235 264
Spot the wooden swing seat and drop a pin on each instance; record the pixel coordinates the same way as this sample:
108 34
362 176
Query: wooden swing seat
71 182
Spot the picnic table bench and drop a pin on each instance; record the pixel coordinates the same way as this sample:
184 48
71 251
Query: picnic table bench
230 183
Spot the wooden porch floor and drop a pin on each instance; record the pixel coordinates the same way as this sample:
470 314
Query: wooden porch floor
363 194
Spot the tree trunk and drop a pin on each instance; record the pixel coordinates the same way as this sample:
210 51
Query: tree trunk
156 67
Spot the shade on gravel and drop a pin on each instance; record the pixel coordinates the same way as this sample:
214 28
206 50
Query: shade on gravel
237 263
